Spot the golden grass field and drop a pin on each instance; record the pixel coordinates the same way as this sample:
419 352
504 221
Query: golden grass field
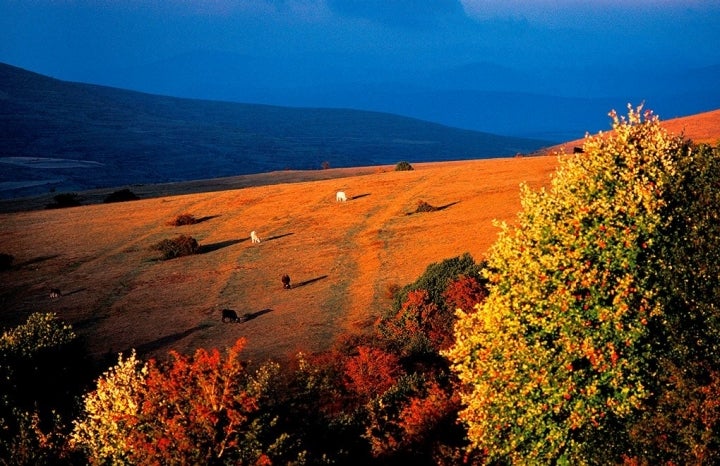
342 257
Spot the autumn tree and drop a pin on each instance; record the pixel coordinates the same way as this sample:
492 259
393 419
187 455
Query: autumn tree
204 409
565 354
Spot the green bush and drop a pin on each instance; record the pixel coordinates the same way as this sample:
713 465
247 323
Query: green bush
181 245
122 195
403 166
598 287
437 277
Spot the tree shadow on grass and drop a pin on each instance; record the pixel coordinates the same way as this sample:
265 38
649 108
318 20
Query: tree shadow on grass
278 236
74 291
307 282
206 218
168 339
35 260
443 207
247 316
205 248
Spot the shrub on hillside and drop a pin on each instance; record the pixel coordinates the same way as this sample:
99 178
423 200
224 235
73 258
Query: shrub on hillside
423 206
564 358
403 166
183 219
64 200
181 245
122 195
437 277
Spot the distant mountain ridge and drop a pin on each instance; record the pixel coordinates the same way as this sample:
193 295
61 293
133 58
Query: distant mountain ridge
560 102
106 136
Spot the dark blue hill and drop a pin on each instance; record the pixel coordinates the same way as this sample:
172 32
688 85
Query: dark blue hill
112 137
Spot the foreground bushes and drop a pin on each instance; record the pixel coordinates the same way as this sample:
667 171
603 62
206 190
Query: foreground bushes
42 370
201 410
599 299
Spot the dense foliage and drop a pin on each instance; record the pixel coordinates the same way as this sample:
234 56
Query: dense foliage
200 410
594 298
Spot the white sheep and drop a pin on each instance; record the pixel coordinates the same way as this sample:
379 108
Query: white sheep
340 196
254 237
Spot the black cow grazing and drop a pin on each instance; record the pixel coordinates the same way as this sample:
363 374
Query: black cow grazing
228 315
286 281
55 293
578 150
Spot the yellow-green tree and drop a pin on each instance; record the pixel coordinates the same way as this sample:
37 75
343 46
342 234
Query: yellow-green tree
565 349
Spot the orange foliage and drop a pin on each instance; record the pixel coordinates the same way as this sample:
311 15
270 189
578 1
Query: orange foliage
423 414
371 372
194 408
464 293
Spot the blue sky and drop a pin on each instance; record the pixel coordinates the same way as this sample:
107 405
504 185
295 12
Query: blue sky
301 50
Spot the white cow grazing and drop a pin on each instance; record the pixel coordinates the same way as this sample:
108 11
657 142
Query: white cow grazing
340 196
254 237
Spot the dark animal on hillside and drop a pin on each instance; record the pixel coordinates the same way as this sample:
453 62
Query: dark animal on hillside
55 293
228 315
286 281
578 150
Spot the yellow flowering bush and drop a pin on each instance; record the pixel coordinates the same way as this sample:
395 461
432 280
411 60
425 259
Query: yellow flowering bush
563 349
111 411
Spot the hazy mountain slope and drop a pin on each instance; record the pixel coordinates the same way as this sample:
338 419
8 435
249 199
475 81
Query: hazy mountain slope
555 102
132 137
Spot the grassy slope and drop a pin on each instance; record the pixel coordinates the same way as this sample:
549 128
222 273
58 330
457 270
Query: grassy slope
119 296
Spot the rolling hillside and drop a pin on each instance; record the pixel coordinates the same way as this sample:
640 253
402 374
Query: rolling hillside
342 257
66 136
